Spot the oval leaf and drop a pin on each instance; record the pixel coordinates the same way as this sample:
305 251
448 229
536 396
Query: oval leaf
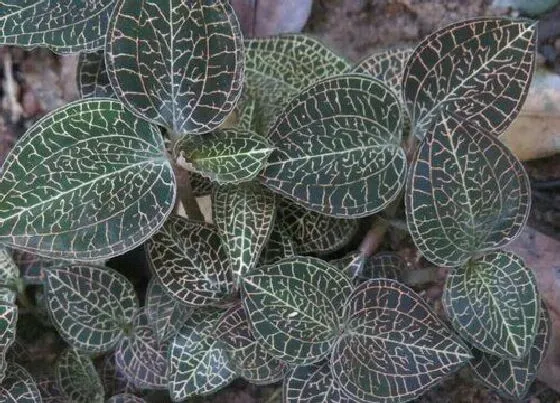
467 193
393 346
493 303
224 156
77 378
93 81
338 147
479 69
8 319
244 216
63 26
86 182
198 362
294 307
278 246
313 384
18 386
179 63
191 262
90 306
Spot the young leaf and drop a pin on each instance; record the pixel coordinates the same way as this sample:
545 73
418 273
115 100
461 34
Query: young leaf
338 147
191 262
178 63
18 386
467 193
393 346
479 69
90 306
93 81
165 313
8 319
225 155
249 358
88 181
125 398
244 216
313 383
294 307
382 265
77 378
141 357
279 246
63 26
198 362
512 378
313 232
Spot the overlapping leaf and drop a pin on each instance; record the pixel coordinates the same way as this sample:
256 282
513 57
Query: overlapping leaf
278 246
352 264
179 63
467 193
201 186
338 147
34 267
244 216
90 306
141 357
77 378
165 313
125 398
294 307
8 319
249 358
86 182
9 271
63 26
18 386
49 389
479 69
393 346
198 362
383 265
93 81
225 155
191 262
112 378
493 303
512 378
313 383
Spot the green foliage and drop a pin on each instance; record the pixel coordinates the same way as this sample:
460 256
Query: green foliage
18 386
77 379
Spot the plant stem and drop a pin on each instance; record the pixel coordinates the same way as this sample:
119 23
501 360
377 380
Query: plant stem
185 194
275 396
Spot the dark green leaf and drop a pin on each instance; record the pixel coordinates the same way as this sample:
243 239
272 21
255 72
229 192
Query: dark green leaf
225 155
49 389
18 386
77 378
178 63
248 357
313 384
201 186
9 271
90 306
279 246
125 398
191 262
479 69
112 378
33 267
294 307
63 26
88 181
8 319
244 216
93 81
512 378
338 147
198 362
352 264
383 265
467 193
165 313
393 346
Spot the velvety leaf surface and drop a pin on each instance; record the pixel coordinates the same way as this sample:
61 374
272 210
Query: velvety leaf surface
244 216
178 63
249 358
63 26
49 389
512 378
224 156
393 347
466 194
125 398
338 147
191 262
313 383
165 313
198 363
479 69
88 181
351 264
90 306
77 378
18 386
93 81
493 303
112 378
279 246
383 265
294 307
8 319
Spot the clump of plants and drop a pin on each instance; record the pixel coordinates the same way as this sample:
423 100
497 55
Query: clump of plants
295 145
